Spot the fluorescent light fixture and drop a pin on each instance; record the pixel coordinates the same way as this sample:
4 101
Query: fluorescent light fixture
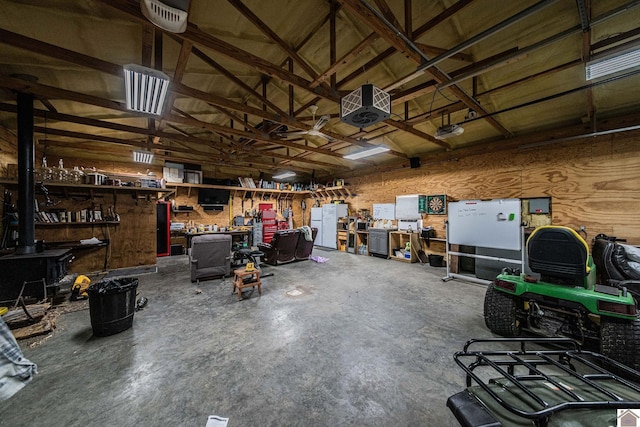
366 153
611 64
141 156
284 175
146 89
444 132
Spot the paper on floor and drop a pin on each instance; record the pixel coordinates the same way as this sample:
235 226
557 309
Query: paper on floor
216 421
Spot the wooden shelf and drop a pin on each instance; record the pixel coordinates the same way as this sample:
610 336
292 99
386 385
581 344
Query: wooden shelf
332 192
437 246
362 239
68 188
399 239
242 191
76 224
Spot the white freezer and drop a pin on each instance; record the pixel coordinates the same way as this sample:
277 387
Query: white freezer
317 224
316 221
330 214
316 214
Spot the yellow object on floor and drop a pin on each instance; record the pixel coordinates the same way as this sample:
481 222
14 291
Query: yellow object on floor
3 310
79 288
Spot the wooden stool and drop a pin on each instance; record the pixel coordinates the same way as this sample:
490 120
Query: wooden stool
240 284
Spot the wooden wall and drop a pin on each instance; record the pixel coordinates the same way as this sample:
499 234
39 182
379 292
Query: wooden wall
8 150
238 206
133 241
593 183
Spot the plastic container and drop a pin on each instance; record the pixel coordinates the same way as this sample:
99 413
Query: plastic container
436 260
112 304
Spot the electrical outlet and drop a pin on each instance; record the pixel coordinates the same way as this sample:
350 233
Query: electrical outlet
583 228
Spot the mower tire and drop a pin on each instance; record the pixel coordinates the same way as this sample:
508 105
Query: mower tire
500 313
620 340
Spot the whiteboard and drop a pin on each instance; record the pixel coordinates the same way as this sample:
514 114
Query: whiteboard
488 224
384 211
407 207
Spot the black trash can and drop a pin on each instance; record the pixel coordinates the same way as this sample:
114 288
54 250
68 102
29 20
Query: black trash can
436 260
112 303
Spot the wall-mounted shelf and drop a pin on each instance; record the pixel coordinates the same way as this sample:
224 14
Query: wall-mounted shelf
67 190
332 193
182 211
76 224
258 193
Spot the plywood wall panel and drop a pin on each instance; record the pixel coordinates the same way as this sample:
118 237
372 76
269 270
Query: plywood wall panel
592 182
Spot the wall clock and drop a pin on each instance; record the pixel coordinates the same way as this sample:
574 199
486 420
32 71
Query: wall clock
437 204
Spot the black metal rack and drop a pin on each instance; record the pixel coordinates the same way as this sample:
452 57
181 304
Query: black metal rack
534 385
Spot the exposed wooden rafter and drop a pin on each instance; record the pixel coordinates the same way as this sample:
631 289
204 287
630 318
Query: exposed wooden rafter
400 45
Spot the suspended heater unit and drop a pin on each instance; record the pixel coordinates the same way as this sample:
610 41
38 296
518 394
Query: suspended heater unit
365 106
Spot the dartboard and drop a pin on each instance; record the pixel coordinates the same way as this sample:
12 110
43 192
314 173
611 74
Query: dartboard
436 204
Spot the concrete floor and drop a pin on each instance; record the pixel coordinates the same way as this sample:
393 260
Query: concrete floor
368 342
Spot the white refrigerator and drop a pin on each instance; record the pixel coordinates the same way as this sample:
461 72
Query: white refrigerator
316 221
330 214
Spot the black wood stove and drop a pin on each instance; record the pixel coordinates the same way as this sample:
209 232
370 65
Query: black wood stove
27 264
50 265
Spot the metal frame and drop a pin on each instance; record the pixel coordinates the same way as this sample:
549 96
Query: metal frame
562 356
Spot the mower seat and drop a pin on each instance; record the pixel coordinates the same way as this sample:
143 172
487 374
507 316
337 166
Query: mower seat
559 254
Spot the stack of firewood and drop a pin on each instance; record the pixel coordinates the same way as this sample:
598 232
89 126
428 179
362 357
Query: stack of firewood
30 320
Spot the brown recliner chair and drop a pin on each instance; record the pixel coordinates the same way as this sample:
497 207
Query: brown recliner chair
304 246
282 248
210 256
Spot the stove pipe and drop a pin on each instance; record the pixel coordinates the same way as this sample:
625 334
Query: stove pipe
26 184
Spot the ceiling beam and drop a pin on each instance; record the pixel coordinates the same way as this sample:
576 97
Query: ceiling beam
147 45
195 35
408 128
424 28
178 74
388 14
104 66
208 60
292 53
347 59
8 141
433 50
52 51
486 33
48 104
142 144
396 40
51 116
38 89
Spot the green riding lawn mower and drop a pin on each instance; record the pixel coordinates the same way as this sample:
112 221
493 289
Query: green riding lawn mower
567 300
580 298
